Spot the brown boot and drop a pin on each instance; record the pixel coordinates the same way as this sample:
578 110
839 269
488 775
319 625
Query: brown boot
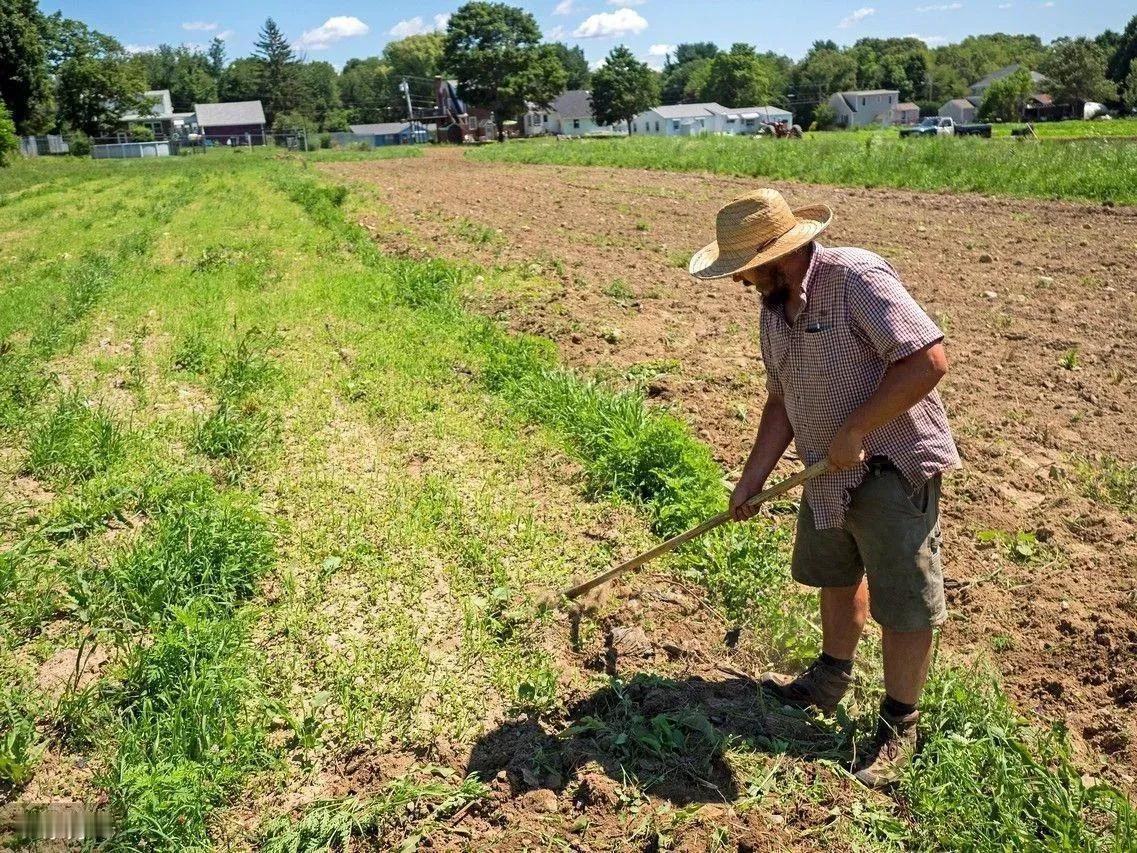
821 685
895 744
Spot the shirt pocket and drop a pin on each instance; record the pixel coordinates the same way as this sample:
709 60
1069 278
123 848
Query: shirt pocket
819 354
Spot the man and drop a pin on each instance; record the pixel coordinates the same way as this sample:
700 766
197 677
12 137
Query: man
852 363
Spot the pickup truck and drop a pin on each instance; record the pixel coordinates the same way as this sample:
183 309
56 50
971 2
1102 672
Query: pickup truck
946 126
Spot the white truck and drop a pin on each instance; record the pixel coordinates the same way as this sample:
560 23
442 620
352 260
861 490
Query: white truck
946 126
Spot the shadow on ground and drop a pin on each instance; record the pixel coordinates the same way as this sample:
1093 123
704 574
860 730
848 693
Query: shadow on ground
668 737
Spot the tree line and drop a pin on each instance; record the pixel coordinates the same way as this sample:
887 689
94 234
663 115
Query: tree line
59 75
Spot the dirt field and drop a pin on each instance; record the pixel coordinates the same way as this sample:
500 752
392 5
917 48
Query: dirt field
1037 300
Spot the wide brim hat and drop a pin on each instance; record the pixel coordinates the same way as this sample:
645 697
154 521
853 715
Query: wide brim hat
755 229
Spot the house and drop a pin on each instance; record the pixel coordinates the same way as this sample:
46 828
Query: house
960 110
235 123
979 88
570 114
905 113
694 119
160 118
389 133
864 107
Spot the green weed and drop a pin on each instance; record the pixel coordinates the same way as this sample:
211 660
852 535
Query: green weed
20 745
1021 546
1107 480
74 442
1069 359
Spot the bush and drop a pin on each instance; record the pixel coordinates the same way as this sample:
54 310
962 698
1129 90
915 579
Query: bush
80 144
8 141
824 117
140 133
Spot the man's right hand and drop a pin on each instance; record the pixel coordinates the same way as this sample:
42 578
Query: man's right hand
747 488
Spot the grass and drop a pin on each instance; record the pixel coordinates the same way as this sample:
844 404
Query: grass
1092 170
364 585
1107 480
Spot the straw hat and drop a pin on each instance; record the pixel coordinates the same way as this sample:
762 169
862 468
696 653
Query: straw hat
755 229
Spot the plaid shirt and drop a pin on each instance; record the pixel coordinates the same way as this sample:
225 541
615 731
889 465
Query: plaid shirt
858 318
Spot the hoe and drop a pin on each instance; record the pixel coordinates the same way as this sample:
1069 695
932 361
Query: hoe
710 524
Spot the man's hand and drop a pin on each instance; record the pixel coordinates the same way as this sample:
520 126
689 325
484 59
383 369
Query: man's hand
747 487
847 449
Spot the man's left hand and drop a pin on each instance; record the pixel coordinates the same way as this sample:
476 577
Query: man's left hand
847 449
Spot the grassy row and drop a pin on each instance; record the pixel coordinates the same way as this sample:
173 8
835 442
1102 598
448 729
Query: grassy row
1024 789
1094 170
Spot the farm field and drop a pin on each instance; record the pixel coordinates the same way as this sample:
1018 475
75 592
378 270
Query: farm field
284 496
1099 170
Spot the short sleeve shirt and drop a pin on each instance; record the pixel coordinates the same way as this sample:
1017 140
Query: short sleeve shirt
857 319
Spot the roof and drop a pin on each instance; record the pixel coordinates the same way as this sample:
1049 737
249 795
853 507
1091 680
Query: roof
161 106
960 103
1005 71
1042 99
904 107
860 92
760 112
386 128
573 103
225 115
688 110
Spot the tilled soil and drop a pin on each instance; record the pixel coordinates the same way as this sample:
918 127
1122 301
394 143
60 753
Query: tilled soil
1019 286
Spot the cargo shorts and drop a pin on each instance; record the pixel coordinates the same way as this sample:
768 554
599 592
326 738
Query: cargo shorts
892 535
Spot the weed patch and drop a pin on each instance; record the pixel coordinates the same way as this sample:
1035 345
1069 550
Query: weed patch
75 442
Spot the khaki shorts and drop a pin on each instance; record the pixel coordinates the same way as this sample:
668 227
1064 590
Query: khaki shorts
892 534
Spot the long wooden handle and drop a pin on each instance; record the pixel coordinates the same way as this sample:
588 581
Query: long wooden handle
710 524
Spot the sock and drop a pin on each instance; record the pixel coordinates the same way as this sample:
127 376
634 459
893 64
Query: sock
892 708
846 666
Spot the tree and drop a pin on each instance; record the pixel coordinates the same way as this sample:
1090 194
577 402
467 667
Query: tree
496 54
8 141
691 51
1075 72
1130 94
622 87
822 72
415 56
1005 98
320 90
216 56
366 87
192 82
824 117
241 80
738 78
574 63
684 83
95 82
278 71
23 58
1121 61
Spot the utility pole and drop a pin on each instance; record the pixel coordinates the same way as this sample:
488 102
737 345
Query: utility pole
405 88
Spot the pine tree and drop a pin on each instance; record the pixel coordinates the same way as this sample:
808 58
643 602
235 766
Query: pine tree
216 54
278 69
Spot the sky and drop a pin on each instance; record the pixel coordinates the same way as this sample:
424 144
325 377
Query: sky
336 30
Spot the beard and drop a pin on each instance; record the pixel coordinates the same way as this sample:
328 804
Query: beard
779 291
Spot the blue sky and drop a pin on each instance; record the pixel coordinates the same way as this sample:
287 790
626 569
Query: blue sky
335 30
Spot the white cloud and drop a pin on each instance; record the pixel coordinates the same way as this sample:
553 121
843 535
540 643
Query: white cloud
626 3
332 30
556 33
857 16
1005 5
225 35
930 41
565 7
599 63
660 49
199 25
1048 5
139 48
609 24
943 7
416 26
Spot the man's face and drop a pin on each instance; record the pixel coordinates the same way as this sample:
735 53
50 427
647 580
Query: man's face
769 279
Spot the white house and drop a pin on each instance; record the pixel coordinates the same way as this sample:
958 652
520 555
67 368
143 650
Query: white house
961 110
980 87
694 119
569 115
160 118
864 107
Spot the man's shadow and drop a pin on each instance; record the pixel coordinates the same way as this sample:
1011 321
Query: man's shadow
668 737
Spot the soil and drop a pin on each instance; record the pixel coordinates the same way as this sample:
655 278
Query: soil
599 257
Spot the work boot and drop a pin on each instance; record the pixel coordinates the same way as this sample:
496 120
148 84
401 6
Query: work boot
891 750
821 685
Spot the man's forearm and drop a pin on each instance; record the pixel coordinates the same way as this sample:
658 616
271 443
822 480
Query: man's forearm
774 436
905 383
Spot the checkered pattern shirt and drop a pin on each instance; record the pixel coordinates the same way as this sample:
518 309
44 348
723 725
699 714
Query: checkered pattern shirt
858 318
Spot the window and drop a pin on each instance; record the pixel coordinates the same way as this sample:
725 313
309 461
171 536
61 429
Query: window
675 125
657 127
864 101
635 128
576 124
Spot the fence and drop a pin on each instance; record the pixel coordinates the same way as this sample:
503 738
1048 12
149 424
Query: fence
122 145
